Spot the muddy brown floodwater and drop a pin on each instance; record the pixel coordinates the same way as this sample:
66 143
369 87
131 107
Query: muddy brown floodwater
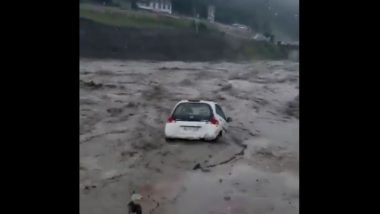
123 109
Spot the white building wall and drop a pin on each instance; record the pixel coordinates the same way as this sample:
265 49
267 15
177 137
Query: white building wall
157 5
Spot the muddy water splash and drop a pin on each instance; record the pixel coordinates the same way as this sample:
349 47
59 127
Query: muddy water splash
123 109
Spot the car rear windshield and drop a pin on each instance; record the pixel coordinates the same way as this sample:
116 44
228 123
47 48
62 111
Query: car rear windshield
192 112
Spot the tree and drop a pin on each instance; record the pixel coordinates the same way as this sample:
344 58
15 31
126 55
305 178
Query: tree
106 2
270 36
191 7
134 4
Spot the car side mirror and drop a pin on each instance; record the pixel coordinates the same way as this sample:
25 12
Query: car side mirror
229 119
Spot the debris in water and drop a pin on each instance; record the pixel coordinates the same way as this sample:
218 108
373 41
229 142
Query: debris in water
205 170
91 84
131 105
129 153
165 153
89 187
197 166
252 134
157 205
265 152
226 87
231 158
227 198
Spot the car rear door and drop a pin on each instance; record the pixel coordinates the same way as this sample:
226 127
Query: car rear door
192 122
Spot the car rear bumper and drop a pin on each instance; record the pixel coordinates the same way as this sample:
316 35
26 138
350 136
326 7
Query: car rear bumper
208 133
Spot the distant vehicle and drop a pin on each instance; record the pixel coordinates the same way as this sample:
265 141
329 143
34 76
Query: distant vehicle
296 43
240 26
196 120
260 37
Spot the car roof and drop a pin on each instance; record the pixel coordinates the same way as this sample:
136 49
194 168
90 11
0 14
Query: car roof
197 101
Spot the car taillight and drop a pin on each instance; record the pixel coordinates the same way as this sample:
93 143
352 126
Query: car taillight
170 120
214 121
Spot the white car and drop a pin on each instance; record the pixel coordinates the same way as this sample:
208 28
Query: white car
196 120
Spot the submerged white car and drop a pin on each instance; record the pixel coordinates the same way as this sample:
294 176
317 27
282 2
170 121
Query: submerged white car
196 120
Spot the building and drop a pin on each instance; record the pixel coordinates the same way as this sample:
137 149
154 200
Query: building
240 26
211 13
163 6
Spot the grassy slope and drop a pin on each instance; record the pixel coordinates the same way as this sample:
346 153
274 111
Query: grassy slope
127 18
246 49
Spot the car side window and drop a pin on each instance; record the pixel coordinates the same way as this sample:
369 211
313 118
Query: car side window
220 112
